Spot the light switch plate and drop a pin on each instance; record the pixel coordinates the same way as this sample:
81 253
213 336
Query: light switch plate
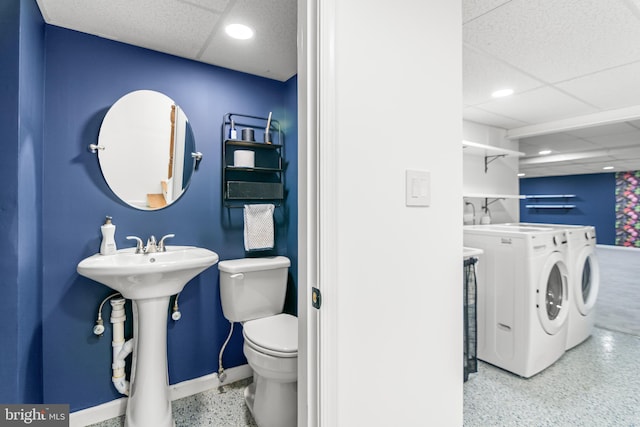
418 188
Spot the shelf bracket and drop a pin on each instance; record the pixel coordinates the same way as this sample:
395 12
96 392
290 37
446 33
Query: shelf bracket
489 159
487 203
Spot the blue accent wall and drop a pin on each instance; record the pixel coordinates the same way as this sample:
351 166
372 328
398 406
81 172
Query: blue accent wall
54 199
30 177
595 202
9 65
21 91
291 176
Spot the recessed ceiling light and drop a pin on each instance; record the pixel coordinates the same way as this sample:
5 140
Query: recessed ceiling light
502 93
607 168
521 174
544 152
239 31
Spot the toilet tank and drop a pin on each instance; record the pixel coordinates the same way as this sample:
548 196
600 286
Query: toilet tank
251 288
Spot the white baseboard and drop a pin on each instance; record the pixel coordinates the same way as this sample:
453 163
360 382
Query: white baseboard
618 248
117 407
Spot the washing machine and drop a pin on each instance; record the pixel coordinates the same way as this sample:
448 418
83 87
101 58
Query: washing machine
584 279
522 296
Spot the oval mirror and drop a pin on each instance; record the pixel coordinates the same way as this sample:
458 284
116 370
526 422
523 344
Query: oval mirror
145 148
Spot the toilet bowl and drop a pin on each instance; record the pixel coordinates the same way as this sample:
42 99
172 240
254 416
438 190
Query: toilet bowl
270 346
252 292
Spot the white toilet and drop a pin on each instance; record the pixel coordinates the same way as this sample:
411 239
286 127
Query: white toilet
252 291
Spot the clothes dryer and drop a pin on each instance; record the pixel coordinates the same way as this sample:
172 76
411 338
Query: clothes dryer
522 296
584 279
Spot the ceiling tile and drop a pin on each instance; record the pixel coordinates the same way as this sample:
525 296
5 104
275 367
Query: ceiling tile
558 143
627 166
480 116
610 89
471 9
554 171
212 5
272 52
162 25
634 123
597 161
483 75
603 130
538 106
624 140
558 40
626 153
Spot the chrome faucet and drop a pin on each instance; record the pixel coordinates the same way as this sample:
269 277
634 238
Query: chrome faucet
161 246
139 244
151 245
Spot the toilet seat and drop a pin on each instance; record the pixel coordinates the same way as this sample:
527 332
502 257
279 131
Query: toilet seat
274 335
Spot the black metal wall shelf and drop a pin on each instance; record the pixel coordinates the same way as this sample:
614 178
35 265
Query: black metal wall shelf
265 181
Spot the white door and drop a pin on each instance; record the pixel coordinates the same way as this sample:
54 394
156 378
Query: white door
390 273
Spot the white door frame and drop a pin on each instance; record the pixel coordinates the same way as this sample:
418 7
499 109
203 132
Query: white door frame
316 213
307 215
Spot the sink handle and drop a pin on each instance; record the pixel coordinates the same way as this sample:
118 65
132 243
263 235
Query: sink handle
139 244
161 247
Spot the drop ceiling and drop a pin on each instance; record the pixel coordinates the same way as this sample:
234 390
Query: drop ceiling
568 61
192 29
564 59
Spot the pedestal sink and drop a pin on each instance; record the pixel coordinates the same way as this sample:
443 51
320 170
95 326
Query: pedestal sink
149 280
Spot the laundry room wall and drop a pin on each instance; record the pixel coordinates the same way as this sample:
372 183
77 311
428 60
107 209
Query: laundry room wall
628 209
595 202
500 178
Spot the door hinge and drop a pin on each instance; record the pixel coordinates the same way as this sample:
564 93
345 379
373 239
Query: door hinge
316 298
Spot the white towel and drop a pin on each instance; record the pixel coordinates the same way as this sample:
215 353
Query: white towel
258 227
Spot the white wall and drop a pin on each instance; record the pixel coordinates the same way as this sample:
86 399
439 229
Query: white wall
390 274
500 178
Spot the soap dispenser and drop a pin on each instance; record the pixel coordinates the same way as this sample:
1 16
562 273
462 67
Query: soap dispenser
233 133
108 245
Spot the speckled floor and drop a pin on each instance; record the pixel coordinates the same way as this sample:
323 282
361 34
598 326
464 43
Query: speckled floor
216 408
594 384
618 304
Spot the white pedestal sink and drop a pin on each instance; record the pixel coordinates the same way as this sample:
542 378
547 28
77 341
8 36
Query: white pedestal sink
149 280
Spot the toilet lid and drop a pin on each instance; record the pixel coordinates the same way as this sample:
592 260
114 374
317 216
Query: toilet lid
277 334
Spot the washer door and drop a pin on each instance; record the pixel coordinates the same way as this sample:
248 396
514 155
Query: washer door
587 281
551 295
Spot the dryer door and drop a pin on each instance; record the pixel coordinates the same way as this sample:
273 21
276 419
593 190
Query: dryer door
587 283
552 294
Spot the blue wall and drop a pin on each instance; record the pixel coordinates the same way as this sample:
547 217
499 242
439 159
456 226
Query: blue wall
57 190
9 45
30 201
291 176
21 91
595 202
